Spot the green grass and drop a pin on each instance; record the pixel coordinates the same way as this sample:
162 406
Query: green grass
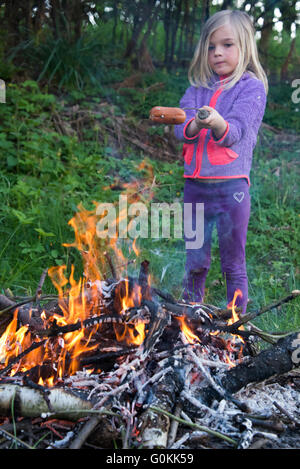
45 176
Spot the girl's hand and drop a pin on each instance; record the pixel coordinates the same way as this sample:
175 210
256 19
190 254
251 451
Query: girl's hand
214 121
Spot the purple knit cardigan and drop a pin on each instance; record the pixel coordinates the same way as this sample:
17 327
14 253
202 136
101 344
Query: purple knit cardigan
242 107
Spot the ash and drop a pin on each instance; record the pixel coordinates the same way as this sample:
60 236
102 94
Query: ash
261 397
270 420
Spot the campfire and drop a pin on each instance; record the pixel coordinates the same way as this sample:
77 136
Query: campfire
112 357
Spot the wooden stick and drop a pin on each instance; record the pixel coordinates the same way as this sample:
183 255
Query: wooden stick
15 439
85 432
6 302
17 305
277 427
174 426
41 283
217 388
111 265
25 301
287 414
248 317
153 429
144 280
36 297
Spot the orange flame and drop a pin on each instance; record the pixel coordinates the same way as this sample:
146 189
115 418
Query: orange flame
79 299
232 306
234 317
187 332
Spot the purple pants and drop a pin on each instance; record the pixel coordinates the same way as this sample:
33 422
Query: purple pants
226 205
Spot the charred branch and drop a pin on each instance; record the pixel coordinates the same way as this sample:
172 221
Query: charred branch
19 357
278 359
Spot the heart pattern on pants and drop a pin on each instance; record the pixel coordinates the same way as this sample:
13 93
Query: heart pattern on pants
239 196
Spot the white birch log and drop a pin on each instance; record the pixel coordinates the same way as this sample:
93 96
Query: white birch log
24 401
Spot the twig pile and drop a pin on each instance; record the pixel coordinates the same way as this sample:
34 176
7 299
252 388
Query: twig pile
168 392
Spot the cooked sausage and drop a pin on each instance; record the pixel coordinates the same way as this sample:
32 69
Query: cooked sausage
167 115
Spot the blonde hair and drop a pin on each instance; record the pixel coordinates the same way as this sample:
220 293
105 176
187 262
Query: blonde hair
200 73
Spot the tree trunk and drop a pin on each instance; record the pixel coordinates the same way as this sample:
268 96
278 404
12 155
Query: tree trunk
140 20
114 31
266 32
192 34
77 17
226 4
186 26
205 11
13 14
145 63
54 7
174 30
285 65
39 16
167 23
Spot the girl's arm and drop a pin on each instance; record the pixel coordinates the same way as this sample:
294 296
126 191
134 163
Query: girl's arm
214 121
245 115
181 131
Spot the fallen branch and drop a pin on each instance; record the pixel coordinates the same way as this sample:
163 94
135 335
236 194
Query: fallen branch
30 402
12 306
5 302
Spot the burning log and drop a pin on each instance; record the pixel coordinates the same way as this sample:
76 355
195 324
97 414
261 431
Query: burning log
28 310
15 360
277 360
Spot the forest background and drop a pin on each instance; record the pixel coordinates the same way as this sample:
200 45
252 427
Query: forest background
80 79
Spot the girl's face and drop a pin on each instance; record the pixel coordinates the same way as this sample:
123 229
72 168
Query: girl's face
223 52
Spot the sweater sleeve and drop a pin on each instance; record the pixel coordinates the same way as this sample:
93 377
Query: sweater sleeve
245 114
187 101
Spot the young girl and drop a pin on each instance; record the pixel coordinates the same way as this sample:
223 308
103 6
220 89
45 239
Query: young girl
228 81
